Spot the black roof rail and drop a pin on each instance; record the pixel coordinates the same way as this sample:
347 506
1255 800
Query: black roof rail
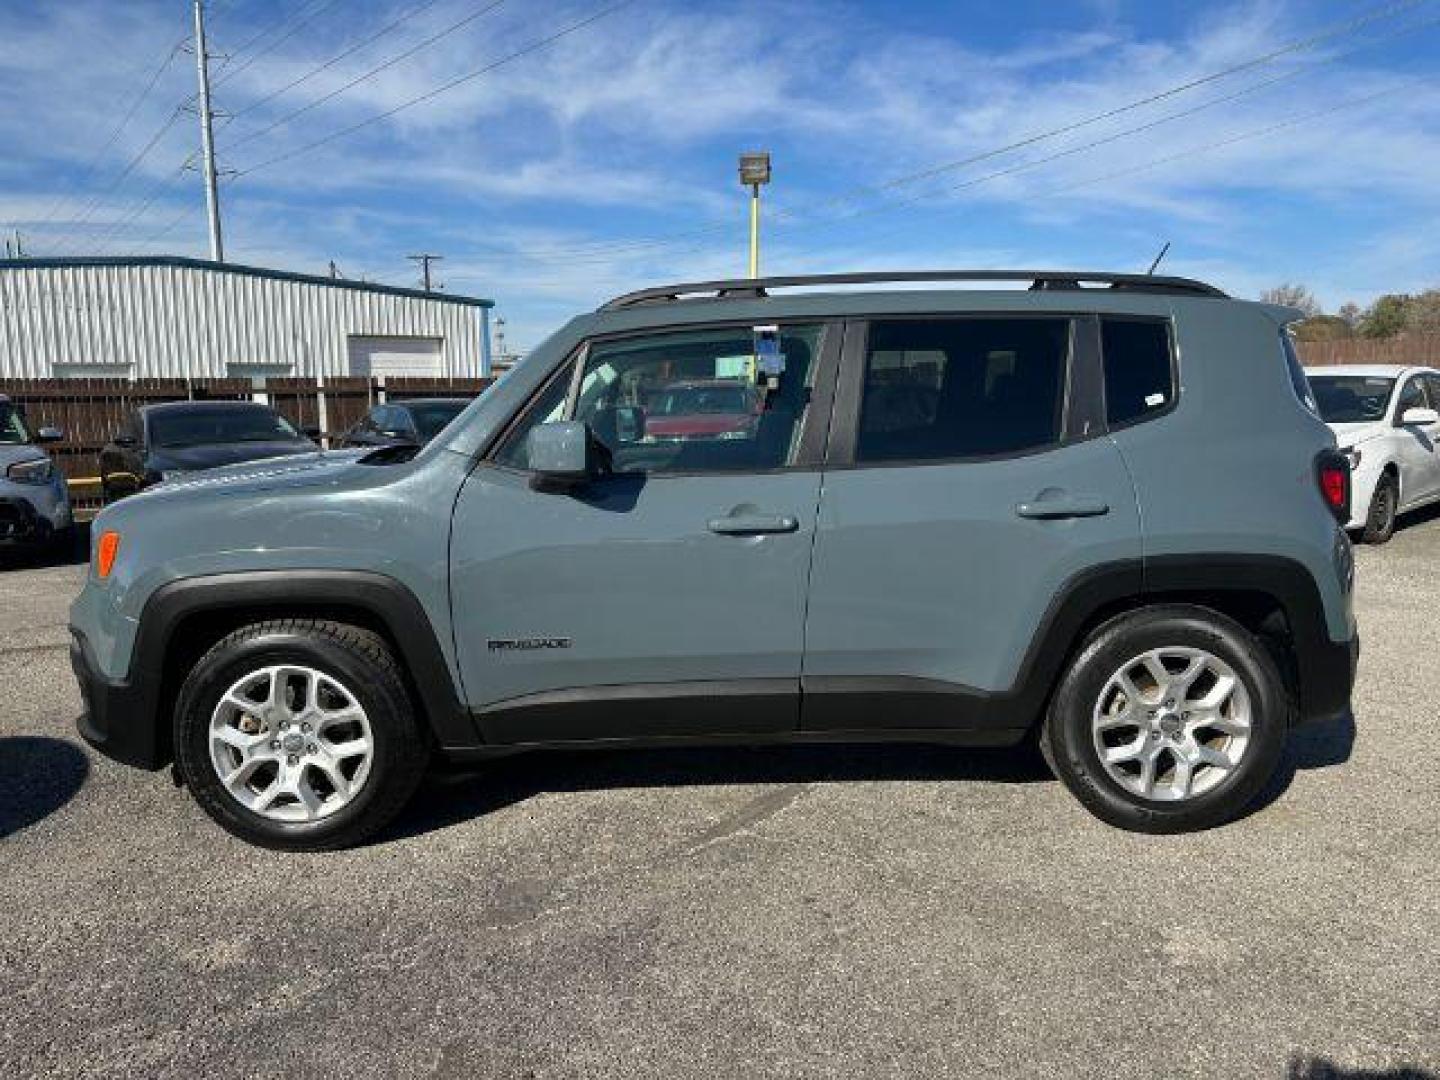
737 288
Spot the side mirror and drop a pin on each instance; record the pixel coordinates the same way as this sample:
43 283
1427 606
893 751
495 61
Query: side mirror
562 455
1419 418
49 435
311 432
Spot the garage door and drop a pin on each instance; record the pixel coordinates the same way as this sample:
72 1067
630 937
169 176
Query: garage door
394 356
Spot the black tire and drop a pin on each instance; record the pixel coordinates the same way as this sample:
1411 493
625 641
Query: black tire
364 664
1383 510
1068 744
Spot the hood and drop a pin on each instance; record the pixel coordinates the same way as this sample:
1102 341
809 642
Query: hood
213 455
316 468
1350 434
12 455
698 424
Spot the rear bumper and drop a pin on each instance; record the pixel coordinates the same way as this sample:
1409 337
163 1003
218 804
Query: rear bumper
117 715
1327 679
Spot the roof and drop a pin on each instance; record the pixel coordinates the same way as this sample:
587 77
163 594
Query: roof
1389 371
184 263
209 404
1038 281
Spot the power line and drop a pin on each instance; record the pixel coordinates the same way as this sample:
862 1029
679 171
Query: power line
483 10
1384 11
94 202
349 51
231 73
534 46
88 170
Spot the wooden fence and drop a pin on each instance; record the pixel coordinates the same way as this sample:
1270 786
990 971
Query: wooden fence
89 411
1412 349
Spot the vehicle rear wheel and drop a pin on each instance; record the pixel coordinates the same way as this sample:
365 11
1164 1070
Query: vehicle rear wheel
1384 508
299 734
1170 719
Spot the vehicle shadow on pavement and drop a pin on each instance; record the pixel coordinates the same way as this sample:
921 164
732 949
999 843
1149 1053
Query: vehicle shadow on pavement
447 799
1302 1068
1317 745
37 777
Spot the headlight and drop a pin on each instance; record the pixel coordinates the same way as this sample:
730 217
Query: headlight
1352 455
32 472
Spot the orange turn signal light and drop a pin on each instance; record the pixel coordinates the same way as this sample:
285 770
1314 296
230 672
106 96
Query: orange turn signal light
105 552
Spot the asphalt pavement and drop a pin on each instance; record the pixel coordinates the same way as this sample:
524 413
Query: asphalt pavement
828 912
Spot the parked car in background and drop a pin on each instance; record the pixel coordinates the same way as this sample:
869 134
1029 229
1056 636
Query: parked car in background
703 409
164 442
404 423
34 499
1386 420
965 516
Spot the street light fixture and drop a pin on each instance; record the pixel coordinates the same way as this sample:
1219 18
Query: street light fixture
755 171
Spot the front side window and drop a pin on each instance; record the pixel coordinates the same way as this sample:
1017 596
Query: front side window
1351 399
12 426
432 417
962 388
689 401
1139 368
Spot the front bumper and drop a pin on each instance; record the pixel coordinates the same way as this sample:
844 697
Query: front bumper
32 514
117 715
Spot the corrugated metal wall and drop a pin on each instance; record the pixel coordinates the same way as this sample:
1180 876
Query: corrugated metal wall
165 321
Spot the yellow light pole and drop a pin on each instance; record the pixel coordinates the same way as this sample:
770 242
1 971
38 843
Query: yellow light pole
755 171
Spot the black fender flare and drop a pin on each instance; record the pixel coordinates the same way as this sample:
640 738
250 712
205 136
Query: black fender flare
268 592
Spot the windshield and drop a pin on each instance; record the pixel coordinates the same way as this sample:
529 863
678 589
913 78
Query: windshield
1351 399
199 427
12 427
432 416
690 400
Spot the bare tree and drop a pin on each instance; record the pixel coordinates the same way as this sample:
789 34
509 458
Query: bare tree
1296 296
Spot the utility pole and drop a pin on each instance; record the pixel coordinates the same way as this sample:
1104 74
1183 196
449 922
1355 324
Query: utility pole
207 135
425 259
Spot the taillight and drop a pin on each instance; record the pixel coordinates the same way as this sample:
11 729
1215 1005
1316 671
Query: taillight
1333 471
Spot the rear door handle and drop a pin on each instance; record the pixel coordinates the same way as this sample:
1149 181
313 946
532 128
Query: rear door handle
753 524
1049 507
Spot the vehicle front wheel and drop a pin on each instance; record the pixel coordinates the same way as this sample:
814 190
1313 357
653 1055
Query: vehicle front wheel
1384 508
298 734
1170 719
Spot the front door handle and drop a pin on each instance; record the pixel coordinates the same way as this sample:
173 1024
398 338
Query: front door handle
1052 505
753 524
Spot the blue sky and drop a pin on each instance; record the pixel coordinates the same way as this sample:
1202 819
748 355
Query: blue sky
605 160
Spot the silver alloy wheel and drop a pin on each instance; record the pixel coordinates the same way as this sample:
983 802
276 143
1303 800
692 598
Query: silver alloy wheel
291 743
1172 723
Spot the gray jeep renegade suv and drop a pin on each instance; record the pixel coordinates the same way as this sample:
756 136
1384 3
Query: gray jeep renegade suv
1100 510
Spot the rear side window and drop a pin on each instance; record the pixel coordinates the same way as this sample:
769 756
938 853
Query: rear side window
962 388
1139 369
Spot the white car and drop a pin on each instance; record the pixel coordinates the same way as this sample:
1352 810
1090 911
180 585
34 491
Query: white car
1386 421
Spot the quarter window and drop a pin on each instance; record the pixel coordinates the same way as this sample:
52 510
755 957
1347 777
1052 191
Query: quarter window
1139 370
962 388
689 401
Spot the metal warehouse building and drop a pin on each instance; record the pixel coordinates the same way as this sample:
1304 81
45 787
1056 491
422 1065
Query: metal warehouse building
170 317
